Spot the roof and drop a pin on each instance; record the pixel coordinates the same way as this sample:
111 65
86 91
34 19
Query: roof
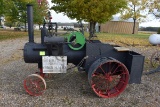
65 24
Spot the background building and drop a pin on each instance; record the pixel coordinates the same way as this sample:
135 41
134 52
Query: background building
119 27
116 25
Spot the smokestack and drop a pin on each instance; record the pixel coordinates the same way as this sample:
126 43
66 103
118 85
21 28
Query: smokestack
30 22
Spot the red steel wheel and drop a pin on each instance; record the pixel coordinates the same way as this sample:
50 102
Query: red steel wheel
108 78
34 85
155 59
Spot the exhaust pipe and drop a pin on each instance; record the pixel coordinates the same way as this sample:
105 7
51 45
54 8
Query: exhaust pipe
30 22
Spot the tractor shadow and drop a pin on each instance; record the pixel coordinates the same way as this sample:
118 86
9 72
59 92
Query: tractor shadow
73 83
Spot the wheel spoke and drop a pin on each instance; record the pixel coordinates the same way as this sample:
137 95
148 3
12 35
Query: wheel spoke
116 89
108 85
31 81
116 69
102 69
99 76
116 79
110 69
95 84
39 88
108 91
122 81
111 80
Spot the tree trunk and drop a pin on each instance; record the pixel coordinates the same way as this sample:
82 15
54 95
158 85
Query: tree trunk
25 29
92 29
134 19
134 25
25 24
81 25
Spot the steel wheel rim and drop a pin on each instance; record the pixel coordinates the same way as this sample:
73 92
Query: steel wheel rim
155 59
110 83
34 85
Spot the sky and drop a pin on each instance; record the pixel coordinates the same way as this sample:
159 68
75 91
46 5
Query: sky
150 24
62 18
59 17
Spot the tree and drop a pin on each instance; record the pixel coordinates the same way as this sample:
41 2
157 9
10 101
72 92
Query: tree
2 9
11 15
22 16
135 9
42 8
17 11
92 11
154 8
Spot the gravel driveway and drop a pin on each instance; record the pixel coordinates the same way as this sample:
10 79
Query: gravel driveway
67 90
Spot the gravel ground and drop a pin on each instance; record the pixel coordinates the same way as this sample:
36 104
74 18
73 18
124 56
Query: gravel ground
68 90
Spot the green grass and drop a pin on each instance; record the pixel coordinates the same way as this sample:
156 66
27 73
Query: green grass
140 39
140 35
10 34
130 39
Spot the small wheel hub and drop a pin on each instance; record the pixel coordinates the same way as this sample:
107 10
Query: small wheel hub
108 77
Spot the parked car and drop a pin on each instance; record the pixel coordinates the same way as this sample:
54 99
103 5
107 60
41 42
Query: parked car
23 27
68 29
4 27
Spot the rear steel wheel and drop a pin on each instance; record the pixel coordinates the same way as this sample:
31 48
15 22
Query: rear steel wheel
155 59
108 78
34 85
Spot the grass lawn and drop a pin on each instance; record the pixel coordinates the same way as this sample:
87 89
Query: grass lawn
10 34
140 39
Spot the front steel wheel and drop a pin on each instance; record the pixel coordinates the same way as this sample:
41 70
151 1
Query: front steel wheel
34 85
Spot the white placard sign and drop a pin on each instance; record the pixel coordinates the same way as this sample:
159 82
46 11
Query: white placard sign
54 64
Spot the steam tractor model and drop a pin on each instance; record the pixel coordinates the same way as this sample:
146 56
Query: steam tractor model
109 67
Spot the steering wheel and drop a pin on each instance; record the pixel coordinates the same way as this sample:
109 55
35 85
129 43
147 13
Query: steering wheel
76 40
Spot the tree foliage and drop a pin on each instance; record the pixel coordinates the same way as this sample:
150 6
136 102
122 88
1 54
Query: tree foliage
154 8
40 11
89 10
2 9
16 10
11 15
136 10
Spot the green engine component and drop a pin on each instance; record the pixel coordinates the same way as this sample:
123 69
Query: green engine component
76 40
